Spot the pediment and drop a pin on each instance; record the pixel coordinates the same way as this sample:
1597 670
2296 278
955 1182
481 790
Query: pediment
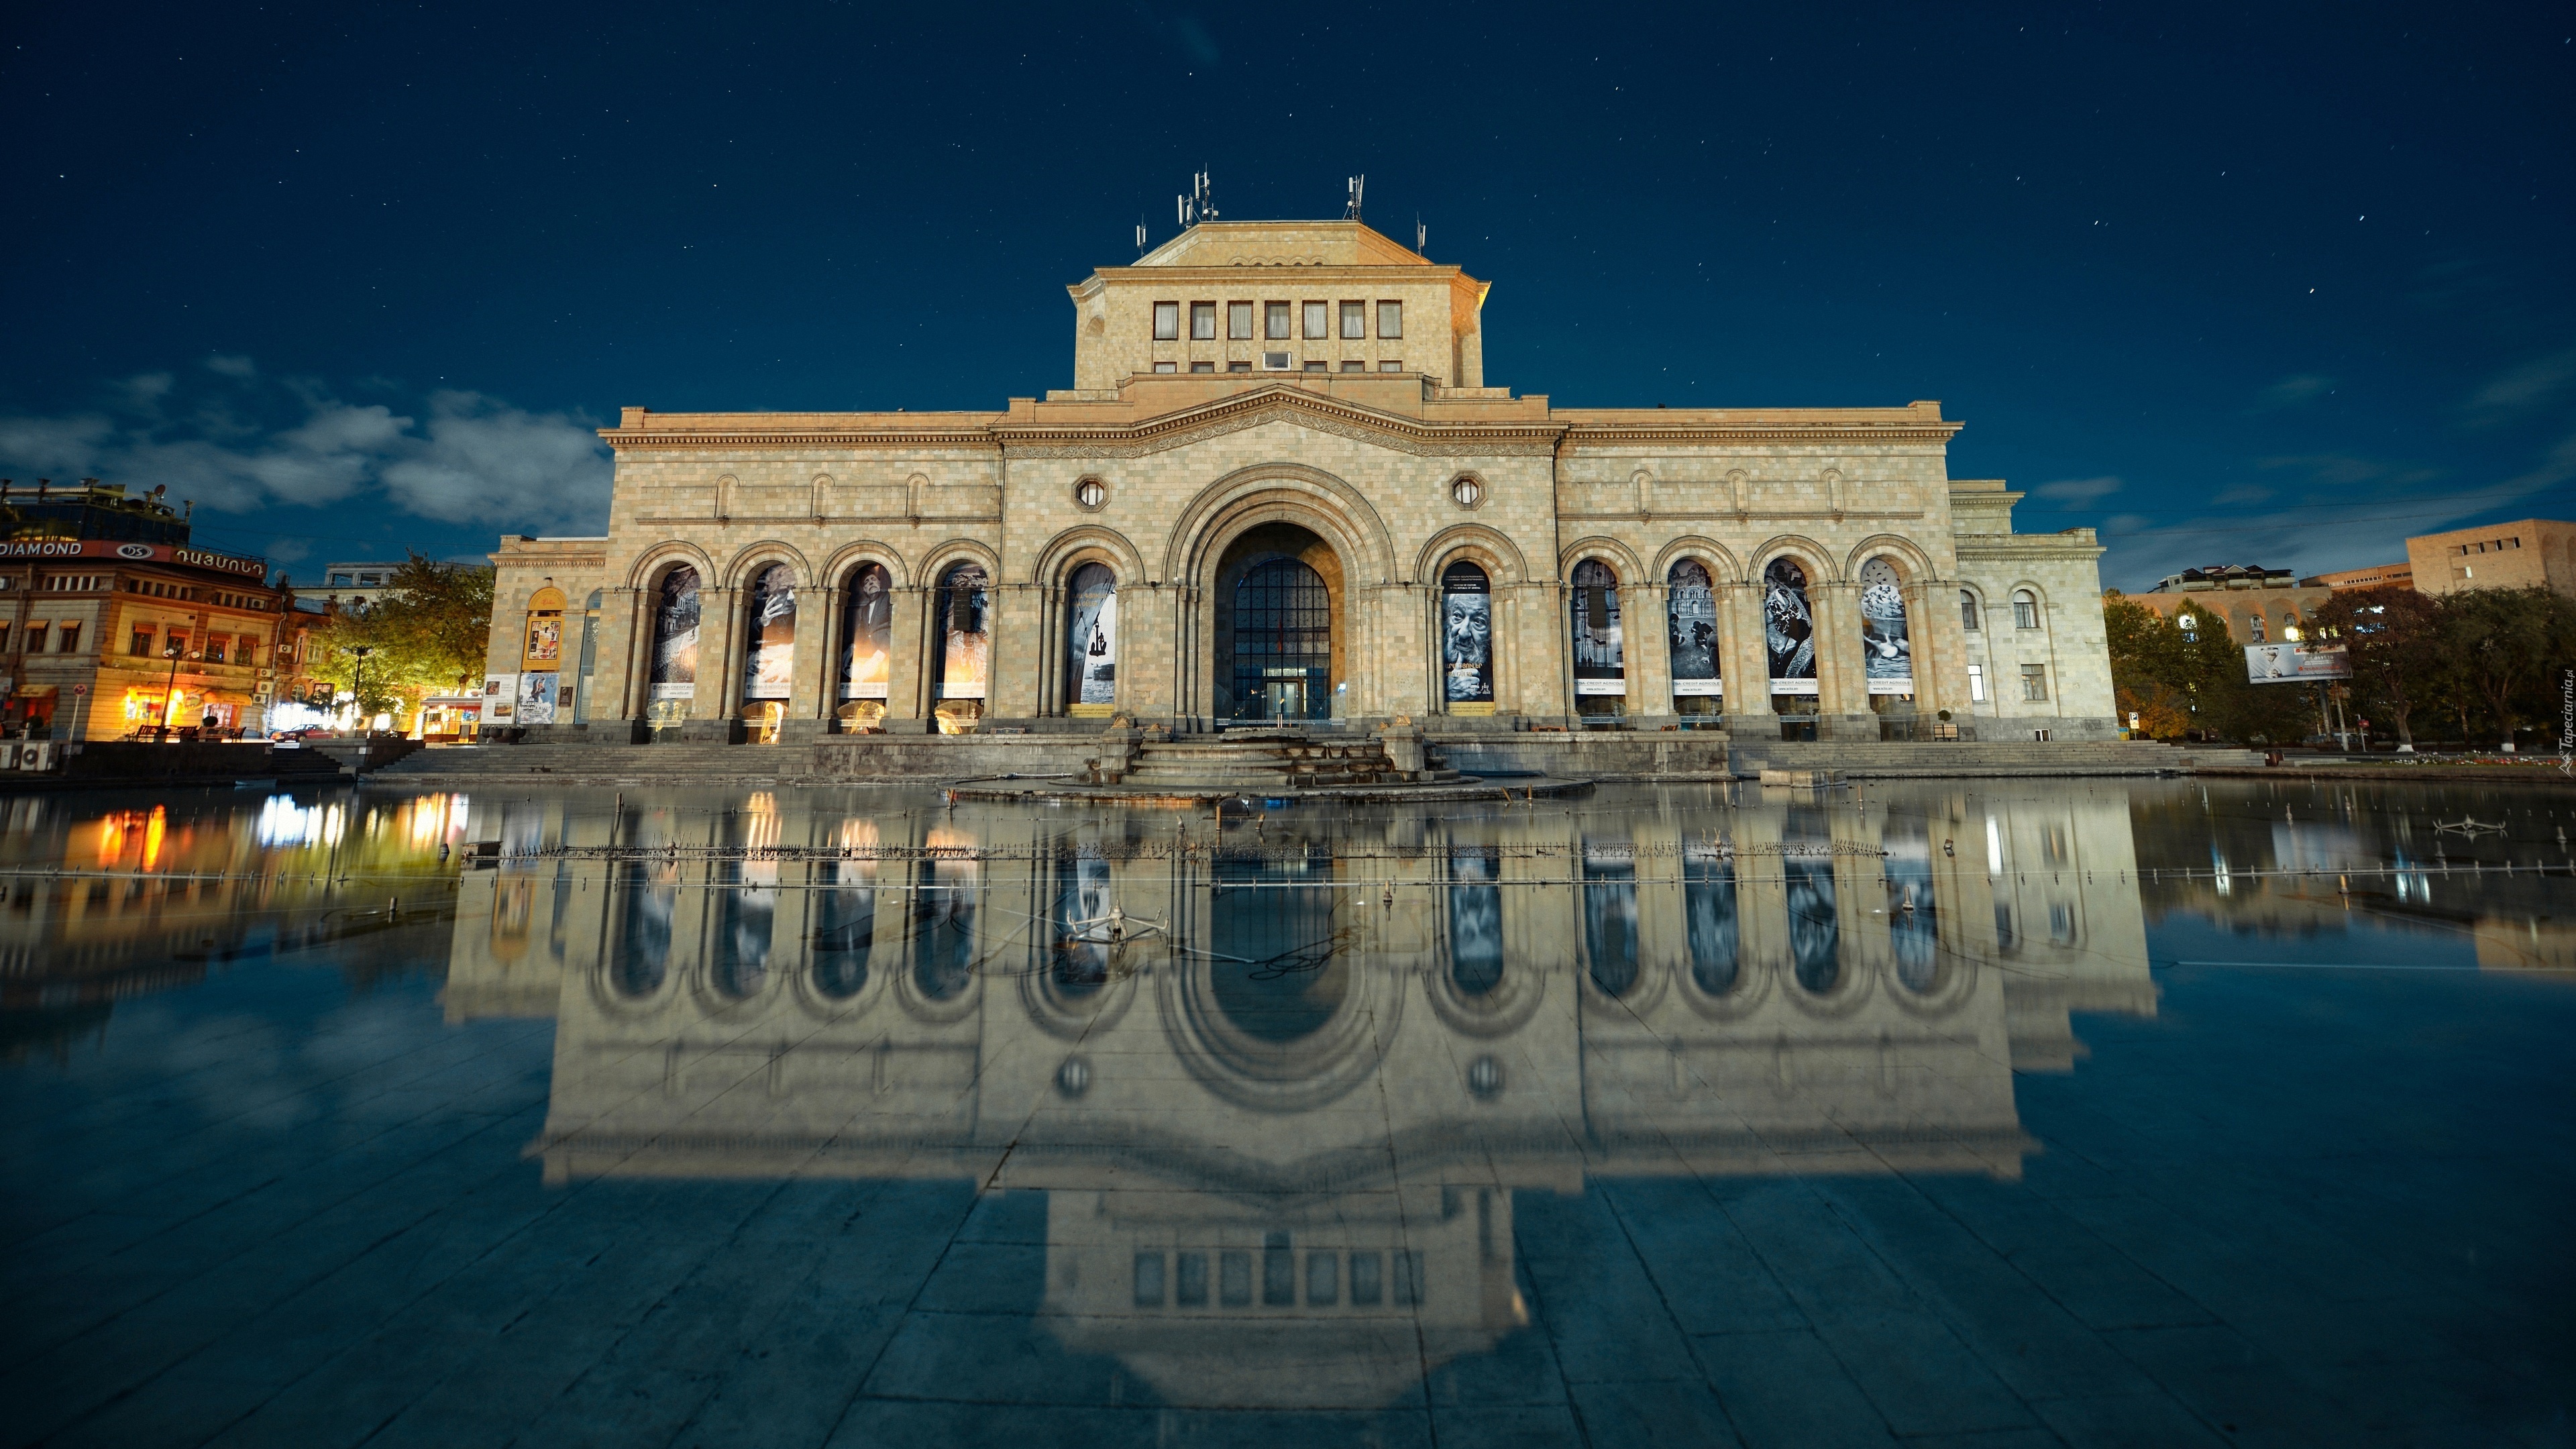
1278 403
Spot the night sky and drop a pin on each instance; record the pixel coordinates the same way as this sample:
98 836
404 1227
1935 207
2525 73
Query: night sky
2243 284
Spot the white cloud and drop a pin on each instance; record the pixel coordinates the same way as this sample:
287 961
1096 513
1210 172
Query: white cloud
2293 390
2079 491
472 460
2520 389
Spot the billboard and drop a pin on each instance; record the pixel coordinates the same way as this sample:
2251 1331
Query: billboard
2295 664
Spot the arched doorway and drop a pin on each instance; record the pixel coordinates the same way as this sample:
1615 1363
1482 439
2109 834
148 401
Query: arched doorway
1277 655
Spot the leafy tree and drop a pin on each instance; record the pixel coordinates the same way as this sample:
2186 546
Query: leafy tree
2506 645
423 634
2178 679
2394 637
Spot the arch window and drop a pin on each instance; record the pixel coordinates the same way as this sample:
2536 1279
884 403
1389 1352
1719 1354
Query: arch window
1475 919
943 920
845 916
1690 624
964 620
1789 638
2025 609
1600 655
1815 926
867 646
2257 631
1968 619
674 674
1467 638
1887 649
769 650
1610 917
1091 640
1913 928
1708 896
1283 642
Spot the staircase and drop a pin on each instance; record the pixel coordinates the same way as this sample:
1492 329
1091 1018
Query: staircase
1268 762
1864 759
661 764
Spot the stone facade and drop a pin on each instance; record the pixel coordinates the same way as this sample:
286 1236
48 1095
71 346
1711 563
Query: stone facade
1366 483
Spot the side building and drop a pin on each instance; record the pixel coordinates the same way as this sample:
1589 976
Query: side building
1281 489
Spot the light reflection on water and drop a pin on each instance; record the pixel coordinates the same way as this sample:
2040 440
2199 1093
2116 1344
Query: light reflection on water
1278 1090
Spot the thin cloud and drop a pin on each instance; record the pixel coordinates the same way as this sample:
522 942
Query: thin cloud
2079 492
2519 390
2291 391
464 458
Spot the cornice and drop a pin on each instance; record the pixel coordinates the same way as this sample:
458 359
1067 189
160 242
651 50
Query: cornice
1282 404
1580 434
977 439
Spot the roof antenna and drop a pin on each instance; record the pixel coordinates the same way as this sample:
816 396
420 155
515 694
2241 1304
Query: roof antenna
1351 208
1140 236
1200 204
1421 236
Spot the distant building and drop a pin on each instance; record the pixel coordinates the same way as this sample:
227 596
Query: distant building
352 584
2536 553
2377 576
2260 605
88 509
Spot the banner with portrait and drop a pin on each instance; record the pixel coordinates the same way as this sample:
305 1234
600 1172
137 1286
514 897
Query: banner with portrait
1600 655
1467 634
1691 616
537 697
1885 645
769 652
675 635
867 659
1788 628
1091 638
965 632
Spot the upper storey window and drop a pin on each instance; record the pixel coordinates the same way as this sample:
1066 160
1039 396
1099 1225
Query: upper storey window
1167 321
1238 321
1390 319
1202 321
1275 316
1354 321
1319 321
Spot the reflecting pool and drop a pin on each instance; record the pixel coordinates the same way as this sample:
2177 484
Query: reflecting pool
1996 1113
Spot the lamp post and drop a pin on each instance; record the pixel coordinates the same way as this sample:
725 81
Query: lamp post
170 686
358 686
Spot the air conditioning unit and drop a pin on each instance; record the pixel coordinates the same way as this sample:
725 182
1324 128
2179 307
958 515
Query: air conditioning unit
8 754
35 755
1277 362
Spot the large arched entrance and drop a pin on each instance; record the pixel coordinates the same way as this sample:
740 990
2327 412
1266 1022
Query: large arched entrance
1278 653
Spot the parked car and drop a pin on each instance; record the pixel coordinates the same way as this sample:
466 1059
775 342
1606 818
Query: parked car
307 732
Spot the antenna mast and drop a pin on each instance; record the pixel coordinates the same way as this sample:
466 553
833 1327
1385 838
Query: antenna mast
1421 236
1200 204
1351 208
1140 236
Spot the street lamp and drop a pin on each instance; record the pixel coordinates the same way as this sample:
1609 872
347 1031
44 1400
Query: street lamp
170 687
358 686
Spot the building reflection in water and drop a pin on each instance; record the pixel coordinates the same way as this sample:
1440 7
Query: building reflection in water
1280 1095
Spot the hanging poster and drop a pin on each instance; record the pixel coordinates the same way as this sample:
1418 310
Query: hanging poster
1599 654
545 641
675 635
1467 634
1788 629
966 648
769 658
1692 612
868 661
537 697
1091 638
500 698
1884 643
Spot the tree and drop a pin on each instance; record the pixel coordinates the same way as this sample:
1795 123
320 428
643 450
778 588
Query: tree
2178 679
424 633
2394 637
2505 644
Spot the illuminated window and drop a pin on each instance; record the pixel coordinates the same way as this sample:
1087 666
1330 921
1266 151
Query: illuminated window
1976 684
141 643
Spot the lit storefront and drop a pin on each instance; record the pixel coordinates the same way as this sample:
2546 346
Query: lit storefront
104 639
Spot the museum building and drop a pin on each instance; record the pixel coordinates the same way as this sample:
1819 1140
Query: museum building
1280 489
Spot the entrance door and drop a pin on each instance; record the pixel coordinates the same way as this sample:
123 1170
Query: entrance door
1283 642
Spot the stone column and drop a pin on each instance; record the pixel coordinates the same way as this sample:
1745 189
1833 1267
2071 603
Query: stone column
719 685
1940 650
1842 680
1016 623
818 615
1744 661
615 686
908 672
1645 637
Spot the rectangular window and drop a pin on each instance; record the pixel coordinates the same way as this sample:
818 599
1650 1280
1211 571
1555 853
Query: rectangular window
1167 321
2034 682
4 637
1275 319
370 581
1189 1287
2025 612
1319 321
1238 321
246 651
1202 367
215 648
1202 321
142 642
1354 321
70 642
1390 319
1167 367
1354 367
1276 361
1967 611
1319 367
1149 1280
1238 367
1976 684
1390 365
37 634
340 581
176 641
